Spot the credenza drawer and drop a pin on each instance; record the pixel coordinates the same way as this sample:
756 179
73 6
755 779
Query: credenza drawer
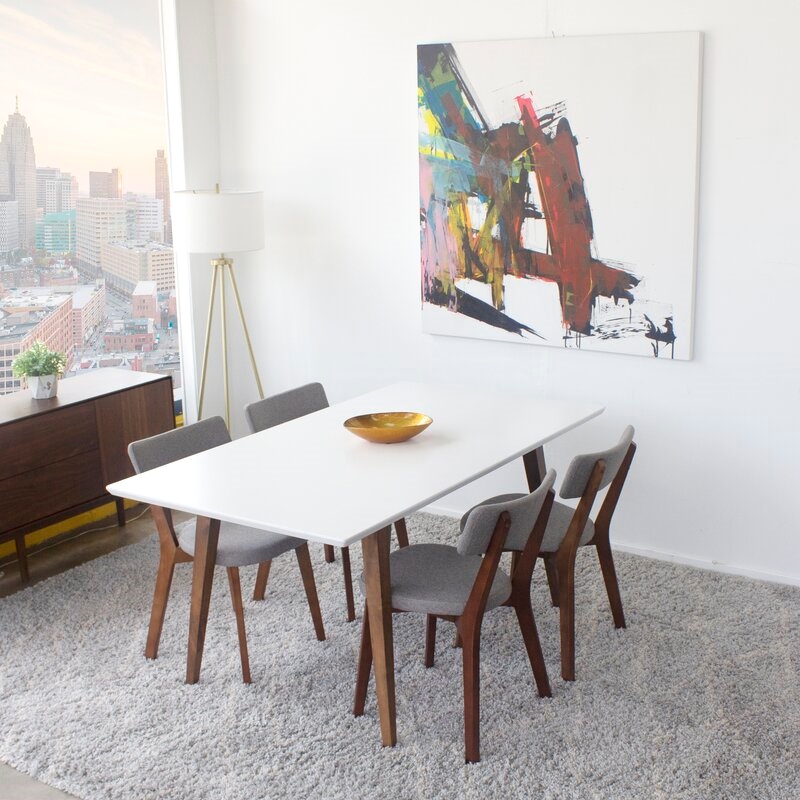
53 437
50 489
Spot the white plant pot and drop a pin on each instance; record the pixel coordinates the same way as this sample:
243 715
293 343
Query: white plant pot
43 386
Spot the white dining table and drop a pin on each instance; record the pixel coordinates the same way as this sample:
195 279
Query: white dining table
313 479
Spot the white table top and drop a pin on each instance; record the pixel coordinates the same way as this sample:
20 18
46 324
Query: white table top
313 479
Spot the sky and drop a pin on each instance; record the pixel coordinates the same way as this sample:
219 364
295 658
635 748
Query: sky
88 76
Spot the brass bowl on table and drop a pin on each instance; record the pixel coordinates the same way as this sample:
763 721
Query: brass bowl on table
388 427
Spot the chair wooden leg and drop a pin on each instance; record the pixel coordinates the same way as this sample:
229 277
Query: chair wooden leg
527 625
402 532
430 639
364 667
262 576
166 568
552 576
566 606
330 556
610 580
457 638
472 715
238 610
348 584
307 572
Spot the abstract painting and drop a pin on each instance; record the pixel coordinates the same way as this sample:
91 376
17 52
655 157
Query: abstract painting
558 190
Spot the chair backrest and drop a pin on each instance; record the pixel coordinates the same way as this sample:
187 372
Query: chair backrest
524 511
285 406
164 448
580 469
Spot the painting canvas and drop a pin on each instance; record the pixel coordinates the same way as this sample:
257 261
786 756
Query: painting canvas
558 188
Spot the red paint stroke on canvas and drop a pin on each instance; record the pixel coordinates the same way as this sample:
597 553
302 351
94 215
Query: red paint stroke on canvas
496 166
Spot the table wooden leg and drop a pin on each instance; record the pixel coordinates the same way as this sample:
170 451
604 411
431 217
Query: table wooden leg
205 556
402 532
379 608
535 468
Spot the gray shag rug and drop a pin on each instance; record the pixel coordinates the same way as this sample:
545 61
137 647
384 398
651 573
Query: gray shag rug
698 698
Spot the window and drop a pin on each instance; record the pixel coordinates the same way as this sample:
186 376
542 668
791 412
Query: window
86 260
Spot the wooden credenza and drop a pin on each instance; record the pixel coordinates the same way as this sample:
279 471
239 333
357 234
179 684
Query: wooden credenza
58 455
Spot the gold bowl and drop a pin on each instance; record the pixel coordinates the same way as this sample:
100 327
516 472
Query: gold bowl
388 427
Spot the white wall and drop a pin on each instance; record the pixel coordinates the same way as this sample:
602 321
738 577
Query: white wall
318 108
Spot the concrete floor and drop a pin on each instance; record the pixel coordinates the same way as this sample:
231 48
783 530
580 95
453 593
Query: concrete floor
16 786
97 540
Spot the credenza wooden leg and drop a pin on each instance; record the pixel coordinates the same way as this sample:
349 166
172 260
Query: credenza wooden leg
22 557
120 503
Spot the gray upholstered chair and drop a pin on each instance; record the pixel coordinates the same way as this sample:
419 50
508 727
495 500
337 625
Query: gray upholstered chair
237 546
461 583
570 528
283 407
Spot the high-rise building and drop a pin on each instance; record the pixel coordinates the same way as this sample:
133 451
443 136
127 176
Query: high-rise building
9 226
55 191
161 267
105 184
125 264
145 219
60 195
88 303
55 233
44 174
162 193
99 220
18 174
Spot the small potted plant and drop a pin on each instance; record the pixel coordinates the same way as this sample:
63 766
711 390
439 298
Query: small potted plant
41 366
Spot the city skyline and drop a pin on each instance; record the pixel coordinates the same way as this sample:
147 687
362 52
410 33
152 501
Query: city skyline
87 76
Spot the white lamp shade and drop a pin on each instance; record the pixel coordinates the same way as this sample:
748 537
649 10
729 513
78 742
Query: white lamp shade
218 222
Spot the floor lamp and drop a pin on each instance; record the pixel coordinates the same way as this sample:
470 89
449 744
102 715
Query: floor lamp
220 223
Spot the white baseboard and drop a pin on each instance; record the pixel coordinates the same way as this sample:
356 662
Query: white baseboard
713 566
659 555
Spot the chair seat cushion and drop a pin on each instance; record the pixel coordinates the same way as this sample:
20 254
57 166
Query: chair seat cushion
557 524
435 579
239 545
